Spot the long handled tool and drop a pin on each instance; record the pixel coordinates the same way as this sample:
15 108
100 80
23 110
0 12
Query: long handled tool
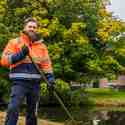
55 93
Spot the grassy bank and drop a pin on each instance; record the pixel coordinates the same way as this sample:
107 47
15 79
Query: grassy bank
106 97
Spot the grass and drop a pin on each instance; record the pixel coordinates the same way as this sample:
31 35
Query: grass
106 97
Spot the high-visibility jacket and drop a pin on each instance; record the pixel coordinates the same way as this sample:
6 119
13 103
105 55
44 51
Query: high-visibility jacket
24 69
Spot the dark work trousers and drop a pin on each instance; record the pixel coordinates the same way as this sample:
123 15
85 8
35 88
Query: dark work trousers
23 89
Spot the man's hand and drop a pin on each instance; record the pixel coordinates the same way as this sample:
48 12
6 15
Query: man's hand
25 50
20 55
51 85
51 82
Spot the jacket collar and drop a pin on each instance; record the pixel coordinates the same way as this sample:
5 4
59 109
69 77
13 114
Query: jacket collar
25 37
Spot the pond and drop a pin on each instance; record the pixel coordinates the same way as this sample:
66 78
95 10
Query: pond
84 115
88 116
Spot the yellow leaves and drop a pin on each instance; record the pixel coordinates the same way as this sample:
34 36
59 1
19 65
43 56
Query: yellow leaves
55 20
54 26
76 35
44 32
77 27
109 59
2 7
55 51
120 51
107 27
94 65
76 32
20 11
67 34
44 22
39 12
104 13
82 40
103 35
110 62
49 1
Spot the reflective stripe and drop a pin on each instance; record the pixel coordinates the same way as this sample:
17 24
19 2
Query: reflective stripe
8 55
24 75
40 59
10 58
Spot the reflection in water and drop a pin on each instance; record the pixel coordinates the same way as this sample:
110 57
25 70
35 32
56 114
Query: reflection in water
87 116
82 117
95 122
113 118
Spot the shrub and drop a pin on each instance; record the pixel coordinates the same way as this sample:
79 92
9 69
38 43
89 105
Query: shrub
70 98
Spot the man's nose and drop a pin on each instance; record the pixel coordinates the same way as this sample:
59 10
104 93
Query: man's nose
31 29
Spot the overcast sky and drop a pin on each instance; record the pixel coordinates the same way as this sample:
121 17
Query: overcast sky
118 7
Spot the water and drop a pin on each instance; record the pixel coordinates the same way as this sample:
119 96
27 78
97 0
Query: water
88 116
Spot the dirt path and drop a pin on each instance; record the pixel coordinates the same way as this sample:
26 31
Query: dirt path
21 120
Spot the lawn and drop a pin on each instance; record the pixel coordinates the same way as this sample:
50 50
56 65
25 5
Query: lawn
106 97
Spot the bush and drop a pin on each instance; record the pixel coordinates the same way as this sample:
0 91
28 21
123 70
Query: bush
79 97
62 88
76 97
4 90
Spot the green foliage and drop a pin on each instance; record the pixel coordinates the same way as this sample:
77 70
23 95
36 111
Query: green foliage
4 89
60 86
106 96
85 42
71 98
79 97
62 89
43 89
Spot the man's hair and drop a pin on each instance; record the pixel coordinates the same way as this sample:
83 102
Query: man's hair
30 19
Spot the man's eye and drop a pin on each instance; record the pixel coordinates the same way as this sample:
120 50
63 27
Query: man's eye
34 27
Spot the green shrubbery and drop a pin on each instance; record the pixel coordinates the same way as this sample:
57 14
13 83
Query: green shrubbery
69 97
61 87
85 43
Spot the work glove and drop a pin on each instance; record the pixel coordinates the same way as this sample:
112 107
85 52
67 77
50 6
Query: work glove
20 55
51 82
33 36
25 50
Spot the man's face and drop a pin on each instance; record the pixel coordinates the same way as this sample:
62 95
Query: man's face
30 27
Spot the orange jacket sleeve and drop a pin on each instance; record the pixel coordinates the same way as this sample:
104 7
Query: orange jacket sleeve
46 64
7 52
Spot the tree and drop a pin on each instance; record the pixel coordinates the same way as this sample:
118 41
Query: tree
80 34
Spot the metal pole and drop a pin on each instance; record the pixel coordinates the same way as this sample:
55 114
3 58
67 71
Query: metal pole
55 93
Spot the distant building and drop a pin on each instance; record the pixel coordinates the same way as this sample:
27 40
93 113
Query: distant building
103 83
121 80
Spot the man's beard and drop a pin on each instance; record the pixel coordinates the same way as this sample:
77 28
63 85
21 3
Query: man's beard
33 36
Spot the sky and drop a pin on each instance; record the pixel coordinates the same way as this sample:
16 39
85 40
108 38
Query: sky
118 8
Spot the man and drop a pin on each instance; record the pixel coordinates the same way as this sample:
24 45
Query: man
25 78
